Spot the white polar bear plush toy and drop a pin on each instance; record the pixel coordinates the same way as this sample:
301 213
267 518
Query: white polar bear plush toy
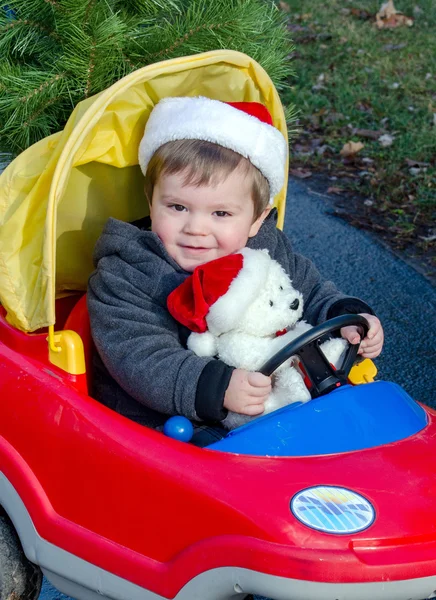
242 308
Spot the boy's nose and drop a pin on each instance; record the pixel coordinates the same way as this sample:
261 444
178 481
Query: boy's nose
195 226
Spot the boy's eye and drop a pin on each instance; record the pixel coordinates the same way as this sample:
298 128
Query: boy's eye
222 213
178 207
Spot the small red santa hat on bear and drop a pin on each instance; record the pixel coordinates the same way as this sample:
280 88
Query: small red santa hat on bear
244 127
213 299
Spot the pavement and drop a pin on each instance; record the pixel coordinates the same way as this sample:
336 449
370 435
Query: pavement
360 266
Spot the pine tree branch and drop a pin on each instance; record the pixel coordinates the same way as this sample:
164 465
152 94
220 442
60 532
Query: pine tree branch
42 87
90 69
53 53
40 110
187 36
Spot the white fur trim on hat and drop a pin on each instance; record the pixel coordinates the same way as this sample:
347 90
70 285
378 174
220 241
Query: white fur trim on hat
199 118
225 313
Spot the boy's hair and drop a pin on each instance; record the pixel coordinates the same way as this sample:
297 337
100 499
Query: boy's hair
204 163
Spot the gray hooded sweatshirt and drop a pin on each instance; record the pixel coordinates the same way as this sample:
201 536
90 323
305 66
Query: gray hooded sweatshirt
144 369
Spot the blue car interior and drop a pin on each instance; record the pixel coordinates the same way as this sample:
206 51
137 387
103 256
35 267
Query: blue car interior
349 418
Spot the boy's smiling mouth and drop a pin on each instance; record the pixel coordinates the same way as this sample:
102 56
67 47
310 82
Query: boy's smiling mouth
196 248
189 247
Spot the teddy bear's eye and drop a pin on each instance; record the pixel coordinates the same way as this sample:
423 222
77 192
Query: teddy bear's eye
271 303
281 288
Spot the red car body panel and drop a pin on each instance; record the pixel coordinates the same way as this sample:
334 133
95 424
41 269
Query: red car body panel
158 512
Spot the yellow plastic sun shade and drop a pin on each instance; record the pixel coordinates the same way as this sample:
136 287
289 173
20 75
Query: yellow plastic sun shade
56 196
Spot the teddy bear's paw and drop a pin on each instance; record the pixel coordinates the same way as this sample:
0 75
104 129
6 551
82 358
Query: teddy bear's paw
334 350
290 384
203 344
234 420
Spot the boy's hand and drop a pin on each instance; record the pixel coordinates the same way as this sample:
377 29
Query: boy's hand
247 392
372 345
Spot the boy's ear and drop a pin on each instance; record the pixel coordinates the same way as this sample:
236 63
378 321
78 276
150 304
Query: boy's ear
258 222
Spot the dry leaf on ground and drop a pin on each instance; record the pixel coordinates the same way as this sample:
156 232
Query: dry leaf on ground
386 140
369 133
388 17
300 173
416 163
361 13
335 190
351 148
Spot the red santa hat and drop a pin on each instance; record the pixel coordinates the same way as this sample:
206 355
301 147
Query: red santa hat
244 127
217 294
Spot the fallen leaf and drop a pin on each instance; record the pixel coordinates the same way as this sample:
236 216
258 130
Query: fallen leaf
351 148
361 14
322 149
417 171
335 190
364 106
388 17
302 150
416 163
390 47
369 133
284 6
334 117
300 173
386 140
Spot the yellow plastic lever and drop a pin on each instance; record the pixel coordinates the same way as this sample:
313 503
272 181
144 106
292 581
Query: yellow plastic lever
362 372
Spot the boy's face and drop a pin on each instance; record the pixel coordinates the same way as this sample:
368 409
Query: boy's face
199 224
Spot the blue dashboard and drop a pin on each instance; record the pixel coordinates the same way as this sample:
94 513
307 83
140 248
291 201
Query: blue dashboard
349 418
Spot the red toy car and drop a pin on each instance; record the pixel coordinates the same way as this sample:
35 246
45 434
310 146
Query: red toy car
322 500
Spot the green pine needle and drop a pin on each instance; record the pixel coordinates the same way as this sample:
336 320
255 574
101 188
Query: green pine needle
55 53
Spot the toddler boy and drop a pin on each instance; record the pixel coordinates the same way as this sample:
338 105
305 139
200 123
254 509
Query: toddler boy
211 172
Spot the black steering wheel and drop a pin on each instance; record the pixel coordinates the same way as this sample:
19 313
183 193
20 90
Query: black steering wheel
324 378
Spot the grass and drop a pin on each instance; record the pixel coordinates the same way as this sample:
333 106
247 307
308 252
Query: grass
353 77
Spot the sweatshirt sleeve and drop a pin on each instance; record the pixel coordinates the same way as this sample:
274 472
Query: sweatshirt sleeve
139 343
322 300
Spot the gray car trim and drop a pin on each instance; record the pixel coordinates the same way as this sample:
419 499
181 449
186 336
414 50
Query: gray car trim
85 581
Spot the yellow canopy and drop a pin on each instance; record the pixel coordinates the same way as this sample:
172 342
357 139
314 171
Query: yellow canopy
56 196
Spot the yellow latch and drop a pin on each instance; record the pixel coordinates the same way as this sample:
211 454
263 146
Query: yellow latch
363 372
66 352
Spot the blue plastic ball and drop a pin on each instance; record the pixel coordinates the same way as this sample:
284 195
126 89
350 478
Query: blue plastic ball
179 428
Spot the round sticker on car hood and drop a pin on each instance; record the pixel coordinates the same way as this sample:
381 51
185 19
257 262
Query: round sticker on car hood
332 509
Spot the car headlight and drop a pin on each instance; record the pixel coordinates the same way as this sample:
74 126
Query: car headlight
332 509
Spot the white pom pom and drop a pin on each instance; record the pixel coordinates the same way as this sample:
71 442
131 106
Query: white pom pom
203 344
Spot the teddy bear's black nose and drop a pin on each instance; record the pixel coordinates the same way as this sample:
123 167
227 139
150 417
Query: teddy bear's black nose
295 304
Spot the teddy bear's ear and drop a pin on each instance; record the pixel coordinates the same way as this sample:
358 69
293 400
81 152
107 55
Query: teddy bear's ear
202 344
